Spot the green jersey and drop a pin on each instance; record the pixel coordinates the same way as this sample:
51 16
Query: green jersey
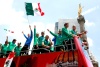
35 37
66 34
17 50
40 40
74 32
4 48
11 46
47 43
58 38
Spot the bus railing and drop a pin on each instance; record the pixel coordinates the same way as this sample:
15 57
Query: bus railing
33 51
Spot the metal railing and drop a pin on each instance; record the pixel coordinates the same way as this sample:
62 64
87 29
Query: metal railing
59 46
47 50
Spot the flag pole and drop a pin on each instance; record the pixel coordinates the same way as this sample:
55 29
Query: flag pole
28 20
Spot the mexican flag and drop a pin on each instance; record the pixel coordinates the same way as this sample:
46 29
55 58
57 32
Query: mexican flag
33 9
9 59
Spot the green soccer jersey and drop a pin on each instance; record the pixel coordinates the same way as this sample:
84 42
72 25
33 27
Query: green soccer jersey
4 48
47 43
58 38
17 50
40 40
35 37
74 32
66 34
11 46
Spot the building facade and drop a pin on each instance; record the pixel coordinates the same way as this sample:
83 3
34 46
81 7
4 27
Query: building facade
60 24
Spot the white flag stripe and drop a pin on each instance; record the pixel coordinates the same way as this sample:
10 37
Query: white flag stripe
35 6
8 62
9 59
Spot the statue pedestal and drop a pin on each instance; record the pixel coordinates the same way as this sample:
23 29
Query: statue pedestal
81 18
81 22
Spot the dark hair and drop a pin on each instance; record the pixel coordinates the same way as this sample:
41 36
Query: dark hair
42 32
59 29
14 39
66 24
47 36
20 43
73 26
6 41
84 40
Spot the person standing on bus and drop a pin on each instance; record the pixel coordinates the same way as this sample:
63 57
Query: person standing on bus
36 37
11 46
47 43
66 34
17 49
41 39
58 40
4 48
28 42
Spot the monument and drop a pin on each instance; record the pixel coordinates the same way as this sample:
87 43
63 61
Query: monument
81 22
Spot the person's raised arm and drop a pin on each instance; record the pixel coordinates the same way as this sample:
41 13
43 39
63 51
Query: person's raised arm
31 31
34 31
7 38
30 27
52 33
85 32
82 33
24 35
34 35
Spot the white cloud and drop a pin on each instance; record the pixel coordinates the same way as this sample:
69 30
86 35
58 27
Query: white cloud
15 22
90 10
89 24
13 19
8 15
90 41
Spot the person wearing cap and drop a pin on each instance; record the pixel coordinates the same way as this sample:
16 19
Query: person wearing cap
27 42
41 39
17 49
36 36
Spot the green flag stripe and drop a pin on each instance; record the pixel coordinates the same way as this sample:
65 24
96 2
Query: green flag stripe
29 9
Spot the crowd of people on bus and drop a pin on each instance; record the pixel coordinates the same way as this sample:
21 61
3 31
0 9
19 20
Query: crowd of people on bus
42 41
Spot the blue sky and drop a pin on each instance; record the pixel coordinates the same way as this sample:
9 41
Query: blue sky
12 16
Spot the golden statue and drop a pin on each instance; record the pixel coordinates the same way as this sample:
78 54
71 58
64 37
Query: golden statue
79 10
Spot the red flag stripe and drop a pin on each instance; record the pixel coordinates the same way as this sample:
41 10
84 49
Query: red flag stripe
39 8
11 55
